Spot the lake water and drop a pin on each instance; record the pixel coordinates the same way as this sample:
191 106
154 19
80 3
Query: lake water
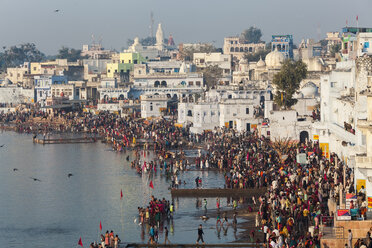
59 210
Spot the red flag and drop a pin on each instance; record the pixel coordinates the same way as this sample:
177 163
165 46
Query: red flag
151 185
121 194
80 243
357 18
100 225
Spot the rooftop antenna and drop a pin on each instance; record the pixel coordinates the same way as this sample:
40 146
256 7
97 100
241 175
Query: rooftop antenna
152 24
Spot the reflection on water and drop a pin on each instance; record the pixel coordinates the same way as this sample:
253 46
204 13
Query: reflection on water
60 209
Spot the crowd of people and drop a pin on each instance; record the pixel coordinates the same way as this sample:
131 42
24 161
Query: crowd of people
297 194
155 214
108 240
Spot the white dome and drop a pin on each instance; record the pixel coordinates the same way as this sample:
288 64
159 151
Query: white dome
310 90
261 63
274 59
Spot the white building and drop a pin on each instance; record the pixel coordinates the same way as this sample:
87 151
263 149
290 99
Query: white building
153 105
363 167
223 61
43 86
162 79
341 107
11 94
224 108
109 90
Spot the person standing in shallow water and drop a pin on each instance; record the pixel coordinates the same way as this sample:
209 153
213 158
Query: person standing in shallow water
166 232
200 234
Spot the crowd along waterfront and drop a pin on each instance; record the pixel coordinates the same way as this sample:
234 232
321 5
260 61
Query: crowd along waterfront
57 210
297 192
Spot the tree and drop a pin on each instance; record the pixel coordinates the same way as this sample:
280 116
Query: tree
211 75
254 57
251 35
17 55
70 54
287 82
335 49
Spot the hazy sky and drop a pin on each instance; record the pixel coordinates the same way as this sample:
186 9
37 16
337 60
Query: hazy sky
189 21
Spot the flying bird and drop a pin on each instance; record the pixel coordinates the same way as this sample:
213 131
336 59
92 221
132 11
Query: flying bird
2 145
69 175
57 10
15 169
35 179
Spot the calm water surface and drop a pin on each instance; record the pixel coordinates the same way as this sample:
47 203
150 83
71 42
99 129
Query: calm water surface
58 210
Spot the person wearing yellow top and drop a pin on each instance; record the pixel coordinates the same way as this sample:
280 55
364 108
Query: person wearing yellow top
306 212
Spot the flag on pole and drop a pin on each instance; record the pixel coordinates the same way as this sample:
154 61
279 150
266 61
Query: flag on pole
100 225
80 243
357 18
151 185
121 194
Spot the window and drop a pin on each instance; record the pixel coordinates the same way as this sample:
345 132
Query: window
201 60
151 108
191 83
247 111
122 61
139 72
130 61
116 71
197 83
108 70
135 61
34 68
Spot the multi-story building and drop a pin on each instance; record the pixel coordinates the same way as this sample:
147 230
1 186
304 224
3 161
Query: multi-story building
43 86
123 63
153 105
165 79
16 75
232 46
283 44
223 61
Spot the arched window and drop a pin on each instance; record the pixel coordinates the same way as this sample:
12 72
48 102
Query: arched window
156 84
236 49
245 49
231 49
163 84
250 49
241 49
279 47
189 113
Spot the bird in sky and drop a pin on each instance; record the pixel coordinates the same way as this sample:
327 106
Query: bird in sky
2 145
69 175
15 169
56 11
35 179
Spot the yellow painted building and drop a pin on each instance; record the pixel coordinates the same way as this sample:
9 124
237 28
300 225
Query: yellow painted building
123 62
